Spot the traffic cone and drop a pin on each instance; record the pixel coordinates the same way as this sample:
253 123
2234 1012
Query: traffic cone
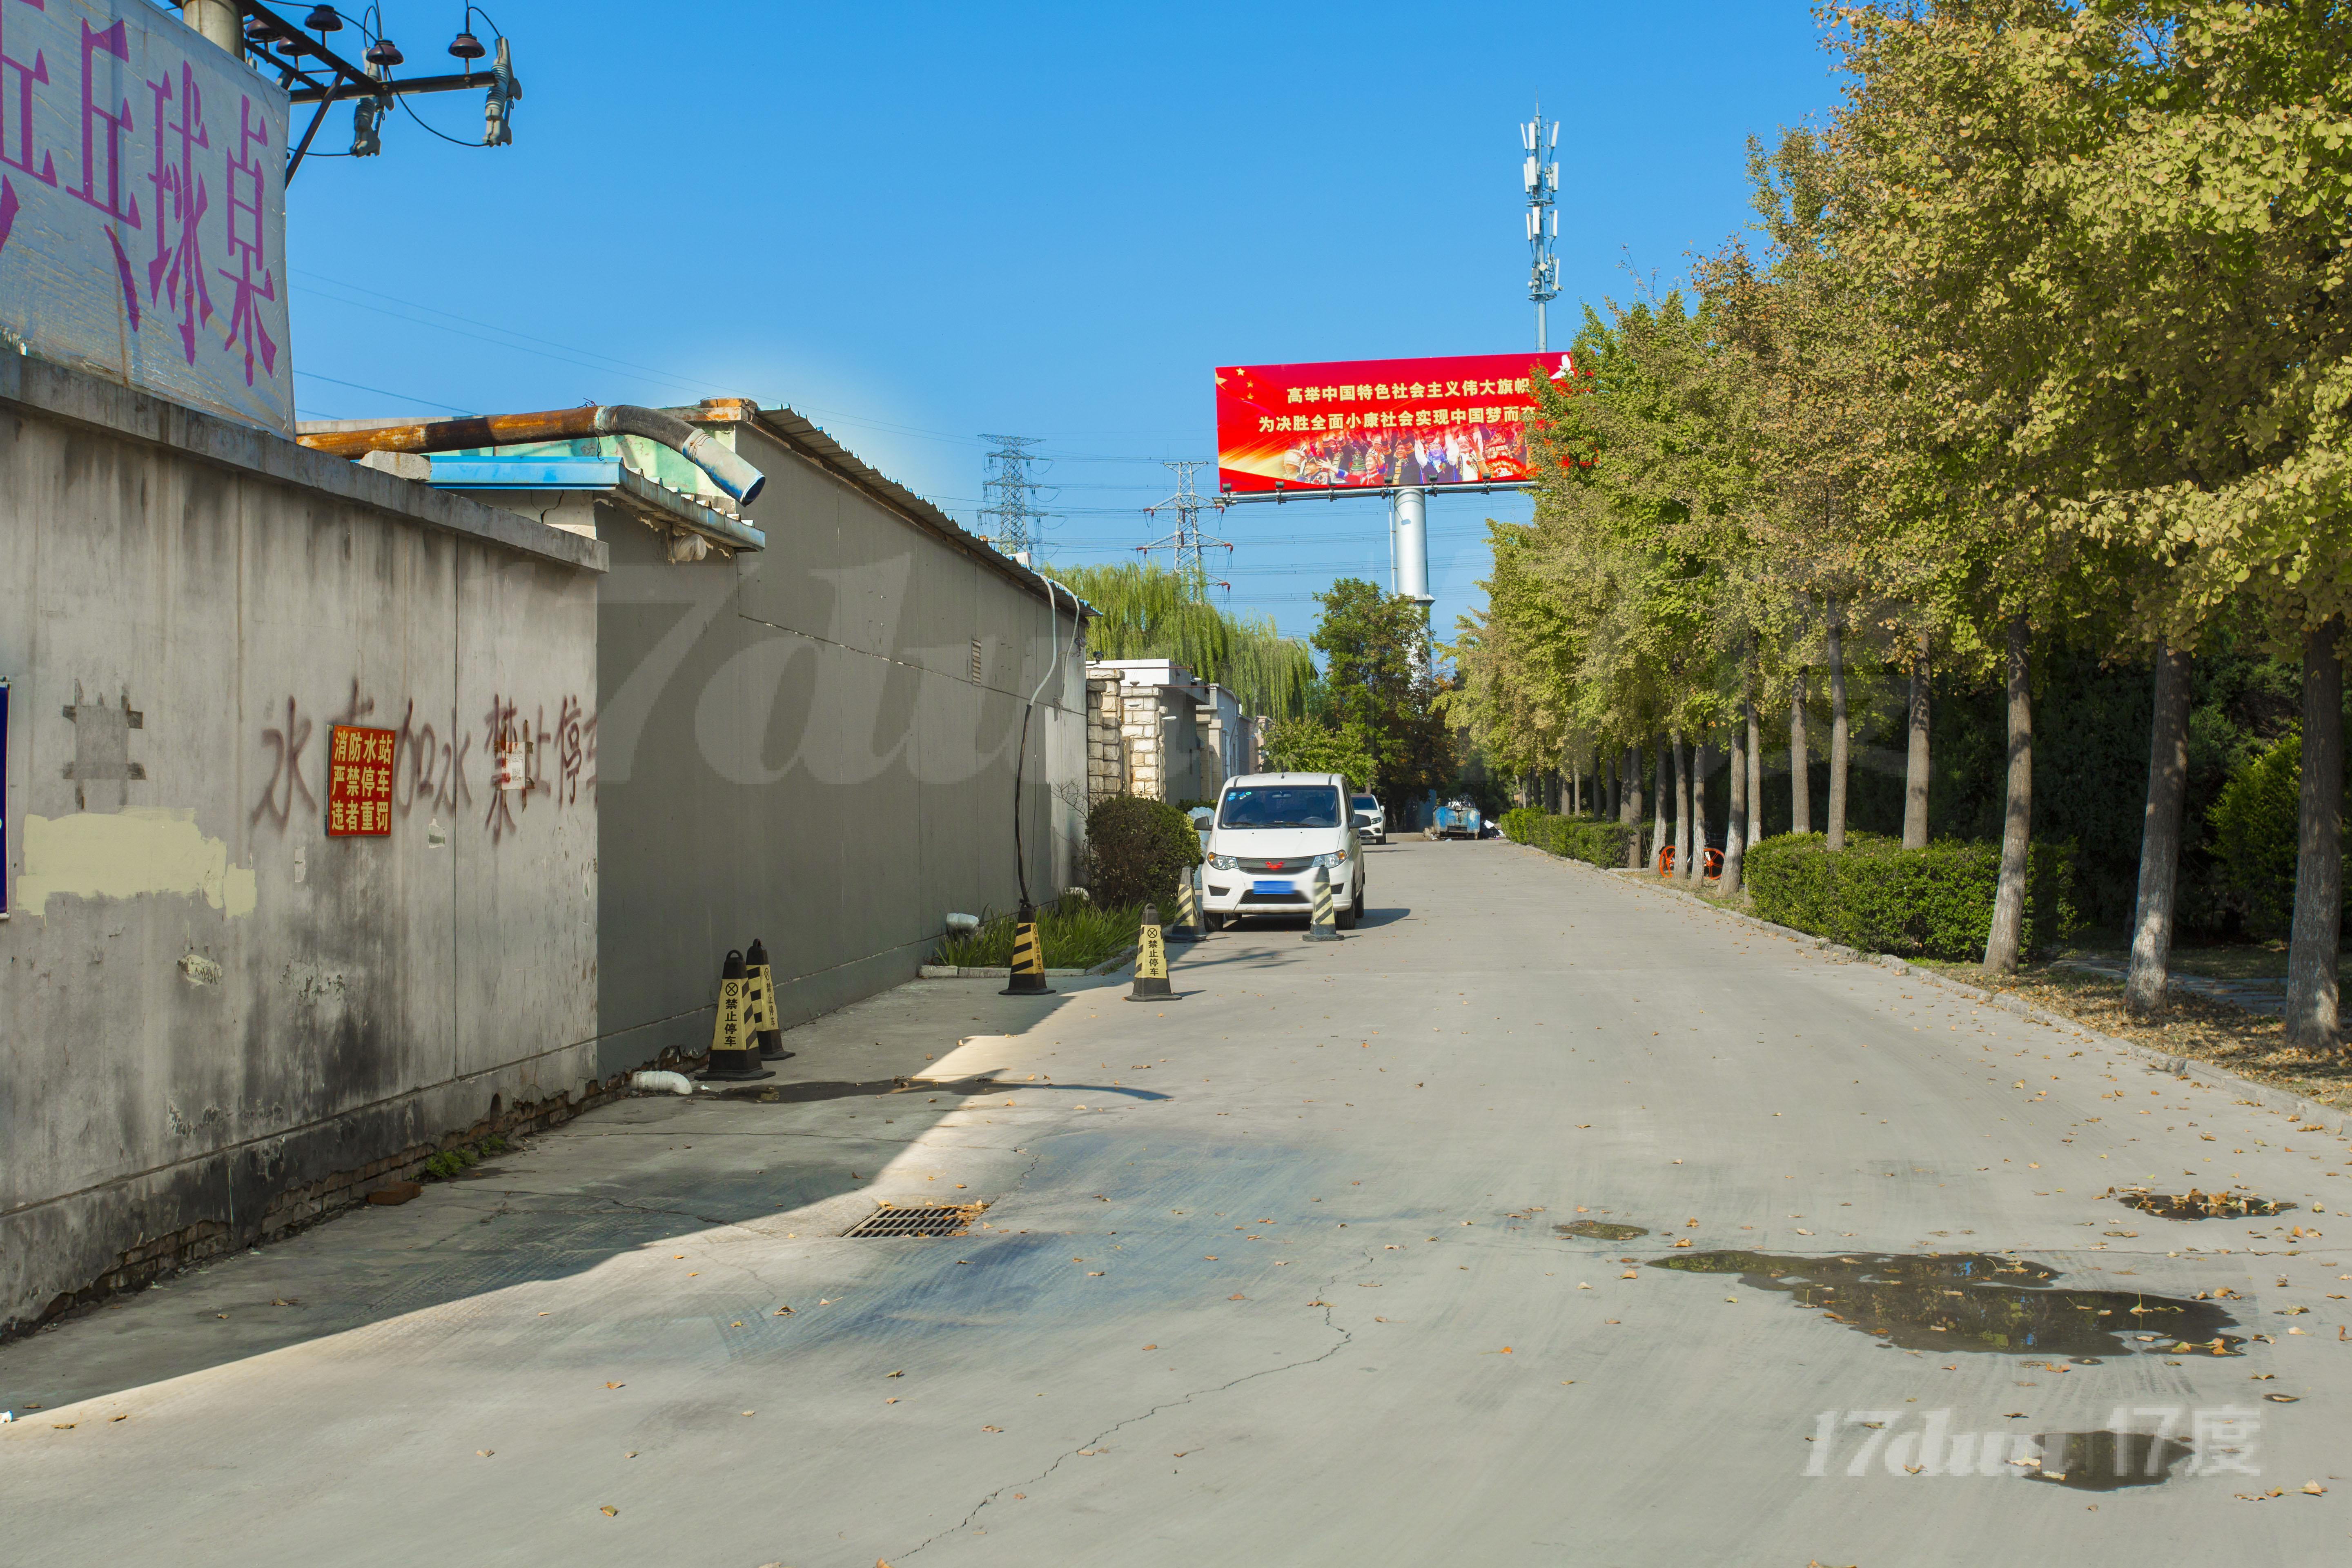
1028 975
1150 960
759 1013
1188 911
734 1053
1322 930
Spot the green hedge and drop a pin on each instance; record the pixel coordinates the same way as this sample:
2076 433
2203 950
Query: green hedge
1875 895
1136 850
1593 839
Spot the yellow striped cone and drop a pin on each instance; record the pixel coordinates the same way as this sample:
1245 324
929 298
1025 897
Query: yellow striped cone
1188 913
734 1053
1150 960
759 1013
1028 975
1322 930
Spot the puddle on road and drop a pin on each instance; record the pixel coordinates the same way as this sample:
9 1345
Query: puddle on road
1974 1302
1600 1230
2194 1205
2106 1461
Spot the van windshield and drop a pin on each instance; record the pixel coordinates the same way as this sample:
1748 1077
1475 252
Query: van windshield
1280 806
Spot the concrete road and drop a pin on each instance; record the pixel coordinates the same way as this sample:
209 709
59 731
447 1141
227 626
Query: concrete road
1276 1273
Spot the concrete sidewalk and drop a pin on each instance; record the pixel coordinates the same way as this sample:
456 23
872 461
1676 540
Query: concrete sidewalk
1302 1267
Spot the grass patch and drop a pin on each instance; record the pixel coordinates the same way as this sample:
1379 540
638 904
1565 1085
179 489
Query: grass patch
1075 933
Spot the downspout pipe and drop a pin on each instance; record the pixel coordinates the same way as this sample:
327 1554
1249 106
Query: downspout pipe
727 470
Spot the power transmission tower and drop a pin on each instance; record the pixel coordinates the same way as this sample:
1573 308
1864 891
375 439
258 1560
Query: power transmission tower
1539 173
1013 497
1188 543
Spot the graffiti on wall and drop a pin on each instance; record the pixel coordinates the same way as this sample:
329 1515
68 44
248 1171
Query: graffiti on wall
435 766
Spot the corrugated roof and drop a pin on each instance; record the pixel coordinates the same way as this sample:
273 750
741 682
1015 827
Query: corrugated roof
807 438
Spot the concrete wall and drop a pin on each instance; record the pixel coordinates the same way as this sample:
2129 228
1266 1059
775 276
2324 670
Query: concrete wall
217 1021
795 746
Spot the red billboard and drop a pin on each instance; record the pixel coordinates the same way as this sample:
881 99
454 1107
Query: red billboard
1378 423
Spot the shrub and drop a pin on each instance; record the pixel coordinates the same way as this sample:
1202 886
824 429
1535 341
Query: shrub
2256 821
1596 841
1137 848
1074 934
1934 902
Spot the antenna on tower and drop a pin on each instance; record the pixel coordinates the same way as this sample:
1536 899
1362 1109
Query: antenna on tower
1539 173
1188 543
1012 498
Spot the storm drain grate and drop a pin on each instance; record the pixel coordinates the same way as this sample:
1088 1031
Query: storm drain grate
920 1221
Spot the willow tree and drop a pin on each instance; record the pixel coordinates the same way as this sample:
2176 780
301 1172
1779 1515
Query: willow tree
1148 612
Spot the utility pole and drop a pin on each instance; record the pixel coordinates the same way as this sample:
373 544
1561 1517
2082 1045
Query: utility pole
1188 543
1539 173
1012 498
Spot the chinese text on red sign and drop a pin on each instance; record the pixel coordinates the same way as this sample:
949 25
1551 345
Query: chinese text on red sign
358 782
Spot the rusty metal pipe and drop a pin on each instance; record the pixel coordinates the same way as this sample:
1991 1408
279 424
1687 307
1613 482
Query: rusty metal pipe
728 471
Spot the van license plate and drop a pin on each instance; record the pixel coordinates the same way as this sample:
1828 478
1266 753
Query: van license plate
1271 887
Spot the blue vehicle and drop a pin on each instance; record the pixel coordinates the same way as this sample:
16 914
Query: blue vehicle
1458 819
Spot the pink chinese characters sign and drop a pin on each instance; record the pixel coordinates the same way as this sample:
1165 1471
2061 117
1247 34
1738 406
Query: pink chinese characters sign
142 207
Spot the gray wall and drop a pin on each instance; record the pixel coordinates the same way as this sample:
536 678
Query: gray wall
794 748
208 1005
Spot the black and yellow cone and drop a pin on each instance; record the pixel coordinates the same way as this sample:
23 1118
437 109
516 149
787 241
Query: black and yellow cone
759 1013
1322 930
734 1053
1150 960
1028 977
1188 913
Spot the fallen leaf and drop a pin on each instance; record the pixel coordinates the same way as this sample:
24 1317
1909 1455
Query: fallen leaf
992 1428
1236 1296
2315 1488
1155 1347
901 1372
485 1453
124 1417
616 1385
735 1325
609 1511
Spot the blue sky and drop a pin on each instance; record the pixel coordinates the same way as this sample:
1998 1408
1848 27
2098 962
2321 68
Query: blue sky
917 222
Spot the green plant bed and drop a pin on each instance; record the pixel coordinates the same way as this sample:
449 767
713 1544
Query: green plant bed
1875 895
1075 933
1598 841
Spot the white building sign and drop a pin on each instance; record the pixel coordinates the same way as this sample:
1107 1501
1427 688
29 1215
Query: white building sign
142 207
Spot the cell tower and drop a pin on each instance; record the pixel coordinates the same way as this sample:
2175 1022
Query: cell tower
1539 173
1188 543
1013 497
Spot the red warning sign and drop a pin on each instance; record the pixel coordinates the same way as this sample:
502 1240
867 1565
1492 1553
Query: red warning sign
359 784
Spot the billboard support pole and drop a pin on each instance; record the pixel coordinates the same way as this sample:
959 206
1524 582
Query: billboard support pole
1412 545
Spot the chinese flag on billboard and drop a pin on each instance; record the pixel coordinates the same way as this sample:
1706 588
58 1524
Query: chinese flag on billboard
1376 423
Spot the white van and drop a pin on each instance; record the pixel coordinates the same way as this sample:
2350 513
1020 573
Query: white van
1271 831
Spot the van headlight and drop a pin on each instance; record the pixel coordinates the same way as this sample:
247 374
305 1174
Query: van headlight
1337 858
1224 863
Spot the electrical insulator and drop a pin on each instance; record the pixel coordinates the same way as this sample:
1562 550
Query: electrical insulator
498 108
367 121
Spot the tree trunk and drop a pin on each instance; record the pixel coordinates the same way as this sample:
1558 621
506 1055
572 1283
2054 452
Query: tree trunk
1755 779
2319 849
1681 805
1575 788
1660 796
1838 747
1735 830
1801 764
2159 838
1608 805
1633 805
1915 767
2017 825
1694 868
